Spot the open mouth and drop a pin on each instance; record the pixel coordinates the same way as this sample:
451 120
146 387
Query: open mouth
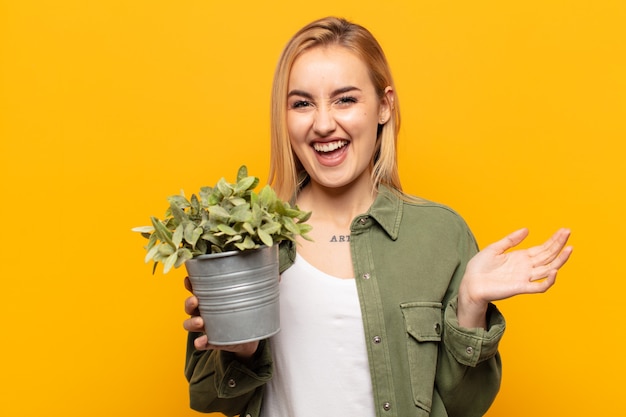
329 147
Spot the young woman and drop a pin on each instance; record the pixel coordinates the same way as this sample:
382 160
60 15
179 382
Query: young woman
388 312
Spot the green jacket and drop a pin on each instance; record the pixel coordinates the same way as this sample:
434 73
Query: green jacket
409 258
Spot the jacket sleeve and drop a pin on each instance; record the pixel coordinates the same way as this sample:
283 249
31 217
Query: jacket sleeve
220 383
469 371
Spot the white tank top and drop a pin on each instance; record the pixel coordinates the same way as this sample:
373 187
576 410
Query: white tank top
320 357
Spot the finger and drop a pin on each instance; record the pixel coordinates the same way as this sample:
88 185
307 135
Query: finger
541 285
541 271
509 241
554 244
551 249
191 305
558 262
194 324
201 342
188 284
563 256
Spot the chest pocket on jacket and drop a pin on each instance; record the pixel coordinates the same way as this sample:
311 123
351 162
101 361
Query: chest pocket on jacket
423 321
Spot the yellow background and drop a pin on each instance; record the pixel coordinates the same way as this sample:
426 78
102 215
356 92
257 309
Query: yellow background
513 114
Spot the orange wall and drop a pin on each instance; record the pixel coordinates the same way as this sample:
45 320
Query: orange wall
514 114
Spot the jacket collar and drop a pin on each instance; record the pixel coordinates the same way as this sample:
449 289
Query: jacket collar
387 211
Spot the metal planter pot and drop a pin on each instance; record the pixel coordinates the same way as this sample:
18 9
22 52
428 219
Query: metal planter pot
237 294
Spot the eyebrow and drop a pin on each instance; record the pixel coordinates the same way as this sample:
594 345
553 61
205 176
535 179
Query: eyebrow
336 92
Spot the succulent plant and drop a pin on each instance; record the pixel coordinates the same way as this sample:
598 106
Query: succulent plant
222 218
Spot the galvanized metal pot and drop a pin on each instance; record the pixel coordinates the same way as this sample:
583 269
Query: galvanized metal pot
238 294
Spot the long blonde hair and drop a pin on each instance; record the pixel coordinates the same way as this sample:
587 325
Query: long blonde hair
286 172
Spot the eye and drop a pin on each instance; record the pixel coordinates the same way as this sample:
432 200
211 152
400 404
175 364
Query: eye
346 100
300 104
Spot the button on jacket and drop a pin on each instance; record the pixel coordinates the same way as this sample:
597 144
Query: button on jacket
408 258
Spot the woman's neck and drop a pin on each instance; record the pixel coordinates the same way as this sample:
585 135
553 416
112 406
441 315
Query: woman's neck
338 205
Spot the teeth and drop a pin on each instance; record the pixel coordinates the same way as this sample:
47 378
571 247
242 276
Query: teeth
329 147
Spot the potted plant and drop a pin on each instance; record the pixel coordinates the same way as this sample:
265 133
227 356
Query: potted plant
227 238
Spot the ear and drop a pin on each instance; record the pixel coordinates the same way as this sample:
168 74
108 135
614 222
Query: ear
386 106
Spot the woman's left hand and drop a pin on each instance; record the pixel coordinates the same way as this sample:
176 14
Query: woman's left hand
495 273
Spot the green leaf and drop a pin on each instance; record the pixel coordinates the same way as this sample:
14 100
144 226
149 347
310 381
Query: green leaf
169 262
254 198
265 237
183 255
204 194
163 232
304 216
240 214
304 228
242 172
195 203
245 184
152 241
158 257
257 215
237 201
177 237
226 229
290 225
219 213
214 198
279 207
248 228
267 197
247 243
165 250
211 238
143 229
209 196
178 200
225 188
271 228
197 232
201 246
151 253
188 231
178 213
235 238
289 212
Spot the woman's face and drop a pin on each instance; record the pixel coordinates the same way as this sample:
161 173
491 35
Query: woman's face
333 113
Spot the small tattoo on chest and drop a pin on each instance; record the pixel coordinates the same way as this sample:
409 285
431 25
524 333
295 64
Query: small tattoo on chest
340 239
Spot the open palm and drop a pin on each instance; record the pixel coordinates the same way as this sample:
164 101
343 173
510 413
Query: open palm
496 272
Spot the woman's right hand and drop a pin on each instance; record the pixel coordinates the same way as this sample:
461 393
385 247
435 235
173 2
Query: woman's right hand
194 323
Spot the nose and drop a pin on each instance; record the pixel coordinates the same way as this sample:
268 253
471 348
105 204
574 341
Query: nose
324 123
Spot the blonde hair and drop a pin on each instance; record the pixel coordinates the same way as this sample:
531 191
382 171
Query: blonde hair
286 173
